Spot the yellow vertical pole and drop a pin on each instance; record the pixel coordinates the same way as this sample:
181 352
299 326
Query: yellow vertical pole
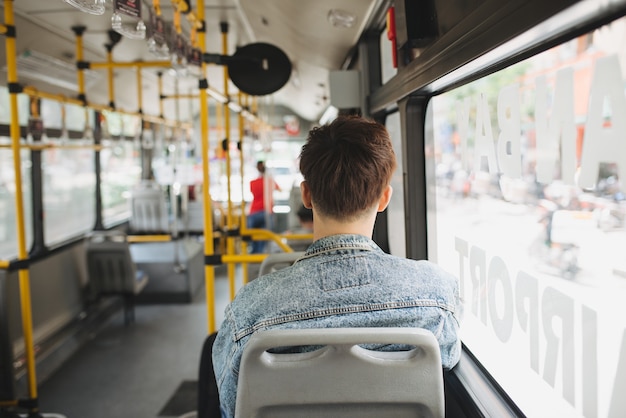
209 270
242 218
80 75
24 279
110 76
139 91
230 241
160 85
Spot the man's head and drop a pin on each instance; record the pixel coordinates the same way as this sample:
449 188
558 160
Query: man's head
347 166
260 165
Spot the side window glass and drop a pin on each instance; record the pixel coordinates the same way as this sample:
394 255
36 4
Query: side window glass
529 210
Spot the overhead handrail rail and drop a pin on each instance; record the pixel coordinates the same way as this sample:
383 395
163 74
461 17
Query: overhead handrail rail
183 7
33 92
105 65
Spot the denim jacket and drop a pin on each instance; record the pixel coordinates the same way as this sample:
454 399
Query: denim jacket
341 281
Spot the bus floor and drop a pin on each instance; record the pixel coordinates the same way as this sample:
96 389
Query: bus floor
145 370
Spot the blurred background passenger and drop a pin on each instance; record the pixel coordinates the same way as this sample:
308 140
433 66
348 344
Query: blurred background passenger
260 212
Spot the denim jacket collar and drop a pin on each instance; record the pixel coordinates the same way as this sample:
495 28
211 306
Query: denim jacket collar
339 242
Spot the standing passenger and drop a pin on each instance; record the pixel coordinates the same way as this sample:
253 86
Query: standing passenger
344 279
260 213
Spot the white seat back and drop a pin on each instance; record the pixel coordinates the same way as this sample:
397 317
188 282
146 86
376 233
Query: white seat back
149 209
341 379
277 261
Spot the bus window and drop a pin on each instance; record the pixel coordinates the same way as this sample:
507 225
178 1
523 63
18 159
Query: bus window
69 181
8 220
395 210
121 166
69 187
530 213
8 230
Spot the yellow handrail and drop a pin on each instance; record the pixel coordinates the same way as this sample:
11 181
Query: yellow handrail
263 234
209 270
148 238
230 241
23 274
41 147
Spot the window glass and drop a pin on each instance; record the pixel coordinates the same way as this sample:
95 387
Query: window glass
69 190
76 117
51 113
395 210
116 124
23 104
8 219
121 171
528 190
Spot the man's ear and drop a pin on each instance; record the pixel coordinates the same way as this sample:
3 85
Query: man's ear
385 198
306 195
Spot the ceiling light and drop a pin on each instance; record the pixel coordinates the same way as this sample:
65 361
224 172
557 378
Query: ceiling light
341 19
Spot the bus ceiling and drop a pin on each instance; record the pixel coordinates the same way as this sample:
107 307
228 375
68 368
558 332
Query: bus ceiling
316 37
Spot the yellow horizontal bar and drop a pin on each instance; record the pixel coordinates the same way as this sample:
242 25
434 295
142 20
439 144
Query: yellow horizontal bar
33 92
182 96
260 234
243 258
105 65
4 264
297 236
9 403
148 238
43 146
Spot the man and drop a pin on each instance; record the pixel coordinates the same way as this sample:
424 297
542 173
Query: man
344 279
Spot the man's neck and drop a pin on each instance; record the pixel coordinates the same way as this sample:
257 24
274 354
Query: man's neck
325 226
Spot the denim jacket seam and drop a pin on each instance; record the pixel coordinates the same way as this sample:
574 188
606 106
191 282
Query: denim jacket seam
320 313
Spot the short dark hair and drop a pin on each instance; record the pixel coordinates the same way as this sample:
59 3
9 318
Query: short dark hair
347 164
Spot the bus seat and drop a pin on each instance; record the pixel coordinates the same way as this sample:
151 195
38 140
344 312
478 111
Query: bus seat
148 209
277 261
111 269
341 379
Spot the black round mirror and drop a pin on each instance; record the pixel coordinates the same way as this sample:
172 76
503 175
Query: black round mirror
259 69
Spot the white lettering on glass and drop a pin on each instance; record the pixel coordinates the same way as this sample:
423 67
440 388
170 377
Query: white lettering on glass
604 138
605 129
560 125
484 145
509 149
547 318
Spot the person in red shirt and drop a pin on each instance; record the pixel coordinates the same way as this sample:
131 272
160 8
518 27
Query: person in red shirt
260 212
